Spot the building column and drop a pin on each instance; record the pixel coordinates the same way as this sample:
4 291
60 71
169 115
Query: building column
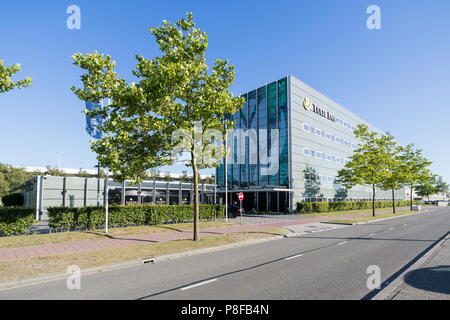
180 194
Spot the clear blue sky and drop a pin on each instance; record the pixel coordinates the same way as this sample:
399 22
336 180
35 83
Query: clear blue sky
397 78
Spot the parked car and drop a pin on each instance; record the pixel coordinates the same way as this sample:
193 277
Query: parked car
234 211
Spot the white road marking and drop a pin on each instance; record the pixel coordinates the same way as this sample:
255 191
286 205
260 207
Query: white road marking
293 257
371 235
198 284
340 244
391 229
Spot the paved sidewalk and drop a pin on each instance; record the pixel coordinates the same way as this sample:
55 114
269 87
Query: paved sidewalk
430 281
10 254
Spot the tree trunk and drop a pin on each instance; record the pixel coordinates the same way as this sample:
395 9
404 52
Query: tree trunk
393 200
196 206
373 200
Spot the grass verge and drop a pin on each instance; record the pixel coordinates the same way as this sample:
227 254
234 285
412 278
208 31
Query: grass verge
355 212
36 239
34 267
370 218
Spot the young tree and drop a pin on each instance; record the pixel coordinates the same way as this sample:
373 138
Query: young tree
427 188
6 83
414 167
441 187
394 179
368 164
175 93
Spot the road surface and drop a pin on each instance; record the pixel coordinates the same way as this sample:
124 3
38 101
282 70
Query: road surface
325 265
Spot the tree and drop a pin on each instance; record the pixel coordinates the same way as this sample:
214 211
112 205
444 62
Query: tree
427 188
4 186
414 167
175 102
368 164
312 184
394 179
441 187
6 83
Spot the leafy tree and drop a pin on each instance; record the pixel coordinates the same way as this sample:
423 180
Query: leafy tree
414 167
6 83
394 179
312 184
441 187
4 186
174 92
427 188
368 164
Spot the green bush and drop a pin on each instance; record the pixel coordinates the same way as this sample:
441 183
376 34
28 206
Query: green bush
13 200
319 207
15 221
94 217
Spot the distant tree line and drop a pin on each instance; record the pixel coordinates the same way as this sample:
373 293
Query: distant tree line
380 162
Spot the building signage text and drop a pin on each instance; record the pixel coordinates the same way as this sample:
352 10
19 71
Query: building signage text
308 105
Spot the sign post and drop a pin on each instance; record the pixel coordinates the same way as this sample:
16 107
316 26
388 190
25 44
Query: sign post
241 198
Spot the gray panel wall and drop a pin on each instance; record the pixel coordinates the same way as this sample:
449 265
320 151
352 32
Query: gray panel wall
301 139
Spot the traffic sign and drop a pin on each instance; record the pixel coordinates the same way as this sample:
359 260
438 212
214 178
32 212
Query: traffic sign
241 196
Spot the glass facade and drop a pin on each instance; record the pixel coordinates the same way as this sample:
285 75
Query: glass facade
252 148
262 133
265 109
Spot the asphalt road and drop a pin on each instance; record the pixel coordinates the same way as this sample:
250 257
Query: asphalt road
326 265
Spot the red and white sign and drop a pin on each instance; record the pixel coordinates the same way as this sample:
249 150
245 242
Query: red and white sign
241 196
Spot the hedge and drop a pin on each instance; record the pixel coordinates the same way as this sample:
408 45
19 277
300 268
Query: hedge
94 217
319 207
16 221
13 200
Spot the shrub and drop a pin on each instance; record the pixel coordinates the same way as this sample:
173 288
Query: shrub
13 200
15 221
94 217
319 207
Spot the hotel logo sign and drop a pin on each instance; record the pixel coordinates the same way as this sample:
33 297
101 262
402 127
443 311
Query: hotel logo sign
309 106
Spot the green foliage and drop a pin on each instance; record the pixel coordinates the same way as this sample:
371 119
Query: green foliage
6 83
175 93
94 217
15 221
11 177
441 186
13 200
323 207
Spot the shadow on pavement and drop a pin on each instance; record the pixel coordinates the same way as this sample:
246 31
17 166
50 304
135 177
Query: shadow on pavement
434 279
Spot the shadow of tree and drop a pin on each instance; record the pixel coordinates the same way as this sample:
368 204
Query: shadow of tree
434 279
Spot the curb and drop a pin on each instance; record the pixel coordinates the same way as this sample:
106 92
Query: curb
387 292
375 220
132 263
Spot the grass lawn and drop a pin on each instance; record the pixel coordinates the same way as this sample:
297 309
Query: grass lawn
370 218
33 267
36 239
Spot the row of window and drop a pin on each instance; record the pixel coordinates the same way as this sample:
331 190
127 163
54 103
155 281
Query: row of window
323 134
323 156
345 124
319 177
